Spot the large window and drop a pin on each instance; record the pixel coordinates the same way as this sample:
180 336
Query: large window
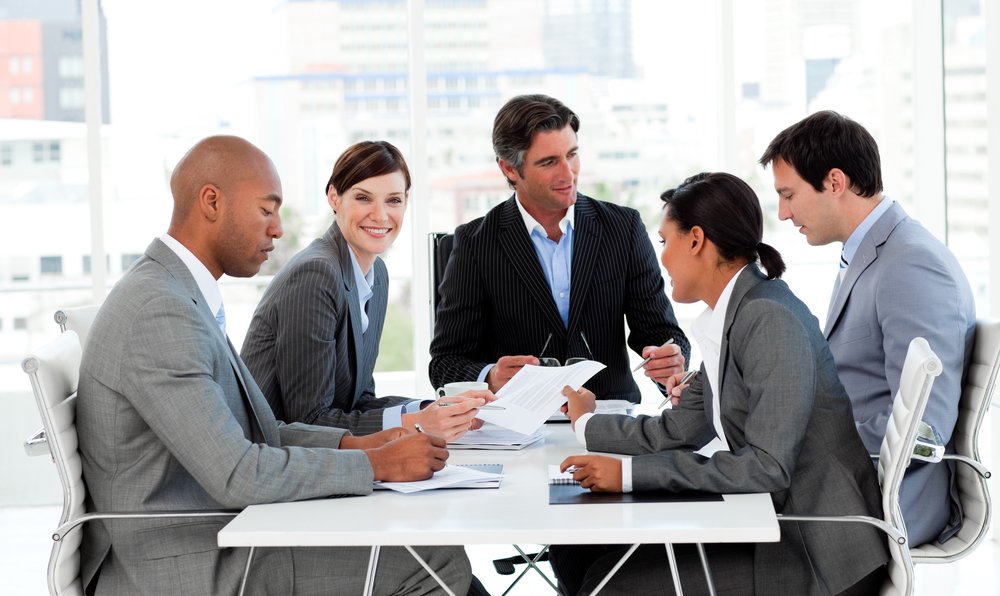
664 89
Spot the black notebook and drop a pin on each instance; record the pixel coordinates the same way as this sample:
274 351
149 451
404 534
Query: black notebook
563 490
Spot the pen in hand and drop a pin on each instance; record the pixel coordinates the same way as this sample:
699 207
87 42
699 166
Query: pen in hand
684 381
443 404
646 360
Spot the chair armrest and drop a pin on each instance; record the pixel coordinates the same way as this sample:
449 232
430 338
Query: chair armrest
929 446
975 465
881 524
37 444
64 529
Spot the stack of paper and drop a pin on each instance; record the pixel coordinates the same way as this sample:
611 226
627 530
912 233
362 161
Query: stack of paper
535 392
495 437
452 476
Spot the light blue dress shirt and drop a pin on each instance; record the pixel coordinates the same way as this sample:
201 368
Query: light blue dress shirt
854 240
365 284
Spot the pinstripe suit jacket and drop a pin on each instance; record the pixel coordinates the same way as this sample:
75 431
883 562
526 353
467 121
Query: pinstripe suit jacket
495 300
305 347
903 283
788 422
168 418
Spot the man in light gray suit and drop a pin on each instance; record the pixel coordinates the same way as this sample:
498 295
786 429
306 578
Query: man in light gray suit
896 282
169 418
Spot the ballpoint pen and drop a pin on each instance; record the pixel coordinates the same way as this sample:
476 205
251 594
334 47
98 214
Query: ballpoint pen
646 361
443 404
684 381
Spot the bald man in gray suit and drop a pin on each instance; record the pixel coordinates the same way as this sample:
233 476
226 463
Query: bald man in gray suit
896 282
169 418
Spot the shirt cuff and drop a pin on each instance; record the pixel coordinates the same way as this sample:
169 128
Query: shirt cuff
482 374
393 417
581 428
627 475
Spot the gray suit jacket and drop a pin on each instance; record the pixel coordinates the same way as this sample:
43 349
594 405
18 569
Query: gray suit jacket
788 422
305 347
169 419
495 300
903 283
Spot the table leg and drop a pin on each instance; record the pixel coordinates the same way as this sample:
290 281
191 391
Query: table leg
532 564
370 576
614 570
246 571
428 569
708 572
674 573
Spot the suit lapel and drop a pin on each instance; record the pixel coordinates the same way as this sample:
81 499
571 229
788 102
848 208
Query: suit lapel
866 254
173 264
522 258
748 279
354 309
586 244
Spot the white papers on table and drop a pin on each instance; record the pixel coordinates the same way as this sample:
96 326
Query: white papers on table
535 392
452 476
604 406
491 436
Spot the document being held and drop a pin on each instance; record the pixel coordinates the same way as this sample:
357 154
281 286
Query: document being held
535 393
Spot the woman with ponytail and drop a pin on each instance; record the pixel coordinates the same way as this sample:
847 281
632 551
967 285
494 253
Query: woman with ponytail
767 413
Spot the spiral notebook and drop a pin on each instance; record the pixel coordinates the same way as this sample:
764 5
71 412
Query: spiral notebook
563 490
452 476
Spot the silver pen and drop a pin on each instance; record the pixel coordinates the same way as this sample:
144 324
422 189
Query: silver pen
646 361
444 404
684 381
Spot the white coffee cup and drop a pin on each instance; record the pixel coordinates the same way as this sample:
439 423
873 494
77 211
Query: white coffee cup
461 387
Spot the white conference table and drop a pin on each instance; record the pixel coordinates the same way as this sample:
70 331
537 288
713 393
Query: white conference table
517 512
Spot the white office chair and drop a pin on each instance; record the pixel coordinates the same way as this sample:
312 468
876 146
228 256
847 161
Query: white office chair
54 371
78 319
980 386
920 369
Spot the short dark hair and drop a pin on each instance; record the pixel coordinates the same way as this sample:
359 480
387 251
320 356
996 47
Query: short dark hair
728 211
518 121
365 160
827 140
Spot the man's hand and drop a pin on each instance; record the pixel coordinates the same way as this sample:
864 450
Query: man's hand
666 360
505 368
373 440
578 403
413 457
450 417
599 473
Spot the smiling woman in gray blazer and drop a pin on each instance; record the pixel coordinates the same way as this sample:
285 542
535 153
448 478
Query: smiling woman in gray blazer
781 423
314 338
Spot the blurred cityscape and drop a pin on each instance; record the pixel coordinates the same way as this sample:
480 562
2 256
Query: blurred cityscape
317 75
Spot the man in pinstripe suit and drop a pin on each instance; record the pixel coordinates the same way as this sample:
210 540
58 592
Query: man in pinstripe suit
552 271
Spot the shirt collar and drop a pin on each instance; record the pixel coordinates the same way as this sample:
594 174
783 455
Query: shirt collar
207 284
710 324
364 282
532 224
859 233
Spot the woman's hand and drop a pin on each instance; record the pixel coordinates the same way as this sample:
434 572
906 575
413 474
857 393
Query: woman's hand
578 403
599 473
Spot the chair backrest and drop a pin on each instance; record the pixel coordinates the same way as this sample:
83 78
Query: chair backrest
54 371
919 370
439 245
978 392
78 318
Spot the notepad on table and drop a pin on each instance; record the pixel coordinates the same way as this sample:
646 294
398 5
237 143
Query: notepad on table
564 490
557 477
452 476
495 437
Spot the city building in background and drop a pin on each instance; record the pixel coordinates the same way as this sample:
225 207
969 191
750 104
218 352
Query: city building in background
41 60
